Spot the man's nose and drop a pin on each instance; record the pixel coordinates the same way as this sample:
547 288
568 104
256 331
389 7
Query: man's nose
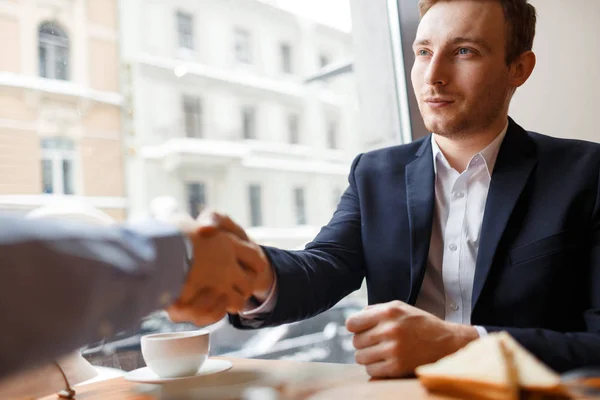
436 72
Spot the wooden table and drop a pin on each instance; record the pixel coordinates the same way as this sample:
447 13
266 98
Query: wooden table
307 380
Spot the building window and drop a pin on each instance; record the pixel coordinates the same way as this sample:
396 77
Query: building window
286 58
294 128
254 194
249 122
53 52
299 206
243 50
58 160
332 135
323 61
192 116
185 30
196 196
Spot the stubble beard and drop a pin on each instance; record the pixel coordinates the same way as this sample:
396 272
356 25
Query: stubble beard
466 123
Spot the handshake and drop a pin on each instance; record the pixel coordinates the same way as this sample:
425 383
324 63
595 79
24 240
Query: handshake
226 270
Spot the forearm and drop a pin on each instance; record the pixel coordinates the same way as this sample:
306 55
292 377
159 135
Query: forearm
66 285
560 351
308 282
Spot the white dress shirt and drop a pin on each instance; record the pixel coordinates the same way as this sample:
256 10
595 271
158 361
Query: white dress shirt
459 205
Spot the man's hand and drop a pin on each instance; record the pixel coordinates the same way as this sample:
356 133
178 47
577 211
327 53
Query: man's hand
222 277
392 339
212 222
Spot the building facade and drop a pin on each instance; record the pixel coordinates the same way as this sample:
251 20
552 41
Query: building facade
220 117
60 105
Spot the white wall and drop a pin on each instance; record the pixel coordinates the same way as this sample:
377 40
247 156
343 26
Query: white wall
562 97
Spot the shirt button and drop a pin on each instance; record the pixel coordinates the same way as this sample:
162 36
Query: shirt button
453 247
460 195
454 306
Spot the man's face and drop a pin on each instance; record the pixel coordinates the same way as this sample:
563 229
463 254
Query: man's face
460 76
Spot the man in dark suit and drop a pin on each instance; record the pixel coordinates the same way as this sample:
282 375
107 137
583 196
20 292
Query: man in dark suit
480 227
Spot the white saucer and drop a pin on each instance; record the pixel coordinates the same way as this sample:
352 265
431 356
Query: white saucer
210 366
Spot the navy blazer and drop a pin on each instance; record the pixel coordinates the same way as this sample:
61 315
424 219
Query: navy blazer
538 267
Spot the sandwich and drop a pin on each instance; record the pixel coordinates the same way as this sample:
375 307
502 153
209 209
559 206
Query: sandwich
494 367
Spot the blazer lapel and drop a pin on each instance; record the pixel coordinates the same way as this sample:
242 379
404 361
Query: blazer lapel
420 194
516 160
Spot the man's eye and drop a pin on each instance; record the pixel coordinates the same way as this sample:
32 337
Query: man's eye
422 52
464 50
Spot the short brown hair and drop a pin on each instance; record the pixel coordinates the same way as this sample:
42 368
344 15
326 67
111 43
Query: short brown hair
520 19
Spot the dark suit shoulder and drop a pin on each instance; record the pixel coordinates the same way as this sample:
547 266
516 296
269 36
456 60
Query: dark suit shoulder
553 148
392 156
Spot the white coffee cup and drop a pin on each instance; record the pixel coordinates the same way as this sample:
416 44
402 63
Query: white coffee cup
177 354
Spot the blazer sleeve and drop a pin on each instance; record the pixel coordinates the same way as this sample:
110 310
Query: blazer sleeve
564 351
330 267
64 285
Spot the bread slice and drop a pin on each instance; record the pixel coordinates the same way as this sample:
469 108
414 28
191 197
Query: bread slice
482 370
533 375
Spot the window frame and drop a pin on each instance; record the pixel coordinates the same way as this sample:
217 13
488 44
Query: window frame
57 151
185 37
287 62
333 134
300 206
192 129
242 46
293 128
199 198
255 205
52 41
249 122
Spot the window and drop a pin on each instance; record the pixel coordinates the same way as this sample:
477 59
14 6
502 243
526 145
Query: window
286 58
255 205
294 128
53 52
249 122
332 135
192 116
185 30
243 51
196 196
323 60
58 156
299 206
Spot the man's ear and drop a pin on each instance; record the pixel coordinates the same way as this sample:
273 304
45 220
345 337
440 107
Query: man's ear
521 69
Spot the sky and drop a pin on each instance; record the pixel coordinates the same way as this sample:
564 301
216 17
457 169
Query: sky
330 12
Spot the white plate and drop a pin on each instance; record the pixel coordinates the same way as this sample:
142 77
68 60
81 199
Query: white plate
210 366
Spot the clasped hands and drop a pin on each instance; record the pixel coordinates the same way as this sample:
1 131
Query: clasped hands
227 269
391 339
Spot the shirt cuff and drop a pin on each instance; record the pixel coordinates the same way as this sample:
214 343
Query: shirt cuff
481 330
255 309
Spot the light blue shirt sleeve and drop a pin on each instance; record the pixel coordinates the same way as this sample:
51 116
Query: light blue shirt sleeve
64 285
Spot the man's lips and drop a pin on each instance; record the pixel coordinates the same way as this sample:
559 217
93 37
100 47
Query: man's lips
438 103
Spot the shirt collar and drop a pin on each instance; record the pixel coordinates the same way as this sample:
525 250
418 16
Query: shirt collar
489 154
